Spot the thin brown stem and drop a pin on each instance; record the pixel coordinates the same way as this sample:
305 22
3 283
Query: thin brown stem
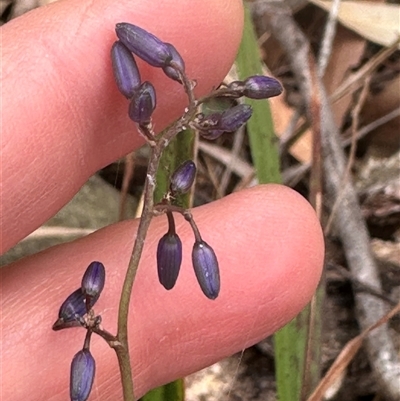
110 338
122 333
188 216
88 336
168 209
158 145
171 223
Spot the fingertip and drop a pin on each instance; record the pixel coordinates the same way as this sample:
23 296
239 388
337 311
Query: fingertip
65 116
270 250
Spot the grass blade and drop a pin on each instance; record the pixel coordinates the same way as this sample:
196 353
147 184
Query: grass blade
263 142
292 340
173 391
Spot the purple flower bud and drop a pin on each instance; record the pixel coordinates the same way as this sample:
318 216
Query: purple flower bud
214 125
233 118
143 103
125 69
205 266
93 282
261 87
145 45
71 310
169 259
177 59
183 177
83 368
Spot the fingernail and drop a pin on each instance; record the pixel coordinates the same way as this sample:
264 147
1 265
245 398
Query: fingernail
125 69
183 177
143 103
83 368
144 44
206 268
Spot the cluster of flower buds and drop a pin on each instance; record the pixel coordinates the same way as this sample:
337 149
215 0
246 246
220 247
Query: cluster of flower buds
142 96
214 125
77 309
71 314
169 250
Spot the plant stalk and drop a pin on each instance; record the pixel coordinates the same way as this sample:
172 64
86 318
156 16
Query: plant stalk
157 147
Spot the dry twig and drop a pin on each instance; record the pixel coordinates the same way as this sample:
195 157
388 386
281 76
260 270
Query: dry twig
329 35
346 356
349 221
353 146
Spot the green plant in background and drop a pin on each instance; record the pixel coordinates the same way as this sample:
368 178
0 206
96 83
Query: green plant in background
296 357
170 175
260 129
171 391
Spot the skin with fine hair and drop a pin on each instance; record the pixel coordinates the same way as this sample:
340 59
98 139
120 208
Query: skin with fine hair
63 120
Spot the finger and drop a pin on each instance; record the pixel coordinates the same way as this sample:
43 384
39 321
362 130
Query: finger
270 250
64 118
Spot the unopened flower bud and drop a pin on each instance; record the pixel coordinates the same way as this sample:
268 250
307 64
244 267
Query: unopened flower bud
233 118
144 44
143 103
176 59
261 87
214 125
125 69
169 259
183 177
93 282
83 368
71 310
206 268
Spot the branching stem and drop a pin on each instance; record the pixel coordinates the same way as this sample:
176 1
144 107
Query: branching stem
157 147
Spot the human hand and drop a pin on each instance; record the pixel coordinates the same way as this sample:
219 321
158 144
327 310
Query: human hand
63 120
